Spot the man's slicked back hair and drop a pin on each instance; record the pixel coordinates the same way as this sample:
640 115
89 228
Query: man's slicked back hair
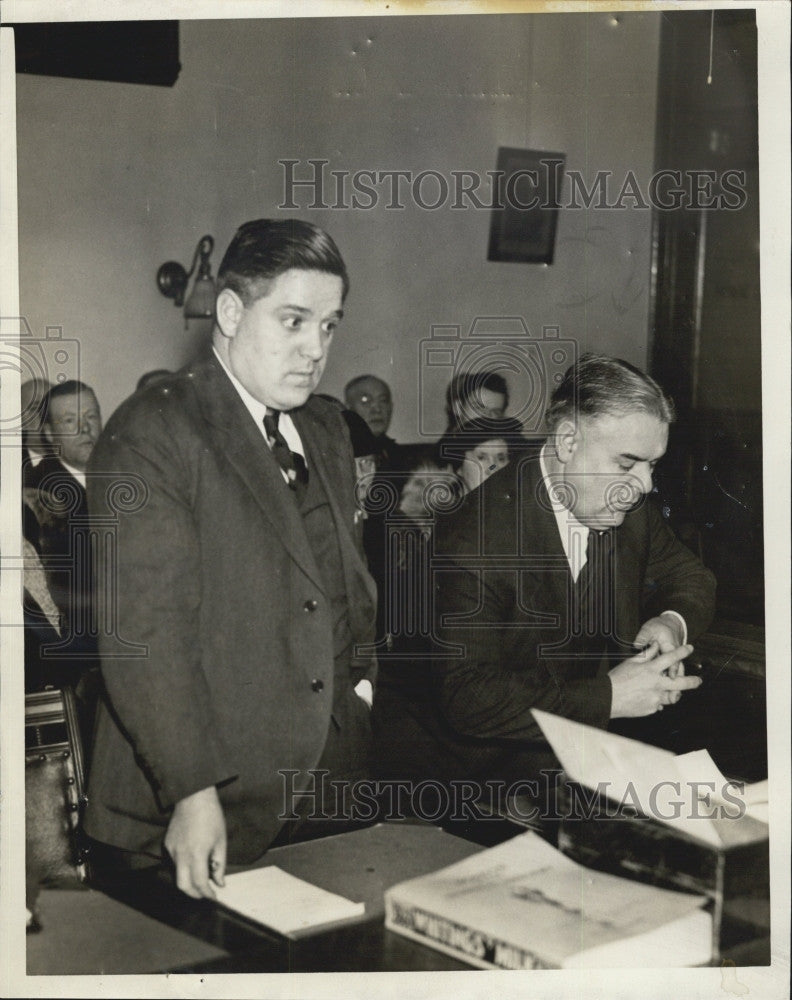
70 388
263 249
597 385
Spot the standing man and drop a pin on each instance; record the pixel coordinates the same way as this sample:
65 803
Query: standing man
239 574
557 586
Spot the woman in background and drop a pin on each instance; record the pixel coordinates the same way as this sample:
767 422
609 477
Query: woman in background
477 448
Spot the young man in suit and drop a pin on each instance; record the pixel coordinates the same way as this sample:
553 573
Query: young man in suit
72 423
557 585
241 592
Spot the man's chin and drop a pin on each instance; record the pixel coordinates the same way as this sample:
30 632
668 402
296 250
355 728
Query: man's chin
607 519
296 397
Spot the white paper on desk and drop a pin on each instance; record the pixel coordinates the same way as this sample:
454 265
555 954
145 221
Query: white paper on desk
629 772
698 765
273 897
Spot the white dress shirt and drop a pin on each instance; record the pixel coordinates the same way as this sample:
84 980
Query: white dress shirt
78 474
258 411
574 535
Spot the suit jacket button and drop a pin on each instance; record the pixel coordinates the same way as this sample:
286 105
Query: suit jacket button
317 685
311 605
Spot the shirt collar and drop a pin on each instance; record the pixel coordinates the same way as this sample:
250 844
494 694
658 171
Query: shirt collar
77 473
573 534
258 411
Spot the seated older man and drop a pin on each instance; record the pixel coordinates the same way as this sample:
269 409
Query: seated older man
557 585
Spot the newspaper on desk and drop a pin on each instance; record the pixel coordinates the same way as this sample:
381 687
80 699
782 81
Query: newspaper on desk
686 792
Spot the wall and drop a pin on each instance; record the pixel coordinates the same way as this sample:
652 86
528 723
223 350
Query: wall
114 179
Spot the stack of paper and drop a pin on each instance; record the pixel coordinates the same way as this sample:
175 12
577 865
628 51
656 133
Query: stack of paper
272 897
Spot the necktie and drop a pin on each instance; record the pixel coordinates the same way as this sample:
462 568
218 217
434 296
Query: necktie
595 585
292 463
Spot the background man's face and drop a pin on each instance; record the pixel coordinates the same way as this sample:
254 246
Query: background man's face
74 424
371 399
279 348
610 468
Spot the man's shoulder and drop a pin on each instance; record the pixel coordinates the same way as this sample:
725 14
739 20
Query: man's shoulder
51 465
489 517
51 475
323 419
322 409
171 401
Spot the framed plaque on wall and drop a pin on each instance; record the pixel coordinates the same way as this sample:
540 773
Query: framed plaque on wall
525 205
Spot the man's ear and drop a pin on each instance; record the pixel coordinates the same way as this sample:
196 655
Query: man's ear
46 430
567 440
228 312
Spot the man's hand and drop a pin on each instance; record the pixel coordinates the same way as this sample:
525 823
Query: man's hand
646 682
668 633
665 630
196 840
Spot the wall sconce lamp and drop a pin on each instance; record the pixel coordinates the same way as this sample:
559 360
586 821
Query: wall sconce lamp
172 281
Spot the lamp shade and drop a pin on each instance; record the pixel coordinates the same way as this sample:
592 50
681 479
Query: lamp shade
201 302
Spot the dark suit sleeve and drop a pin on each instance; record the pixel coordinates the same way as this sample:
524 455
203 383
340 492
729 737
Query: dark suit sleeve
487 687
149 582
676 580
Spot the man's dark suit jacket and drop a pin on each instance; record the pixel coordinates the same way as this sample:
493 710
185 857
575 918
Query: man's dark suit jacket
52 476
66 553
218 662
503 640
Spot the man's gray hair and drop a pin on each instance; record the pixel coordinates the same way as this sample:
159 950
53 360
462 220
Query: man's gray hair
597 385
353 383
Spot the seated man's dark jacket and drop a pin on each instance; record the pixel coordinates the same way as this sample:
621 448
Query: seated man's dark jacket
503 643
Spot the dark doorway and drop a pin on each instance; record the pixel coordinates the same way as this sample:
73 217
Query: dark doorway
706 347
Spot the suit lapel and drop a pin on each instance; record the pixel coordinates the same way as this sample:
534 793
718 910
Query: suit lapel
331 465
541 543
627 572
237 437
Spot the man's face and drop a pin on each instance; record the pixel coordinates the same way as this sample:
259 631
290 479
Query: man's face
74 424
608 465
278 346
371 399
482 403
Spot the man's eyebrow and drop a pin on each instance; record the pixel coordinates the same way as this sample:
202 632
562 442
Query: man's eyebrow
304 311
637 458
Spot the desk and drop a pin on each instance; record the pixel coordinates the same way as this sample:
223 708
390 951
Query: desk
146 925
